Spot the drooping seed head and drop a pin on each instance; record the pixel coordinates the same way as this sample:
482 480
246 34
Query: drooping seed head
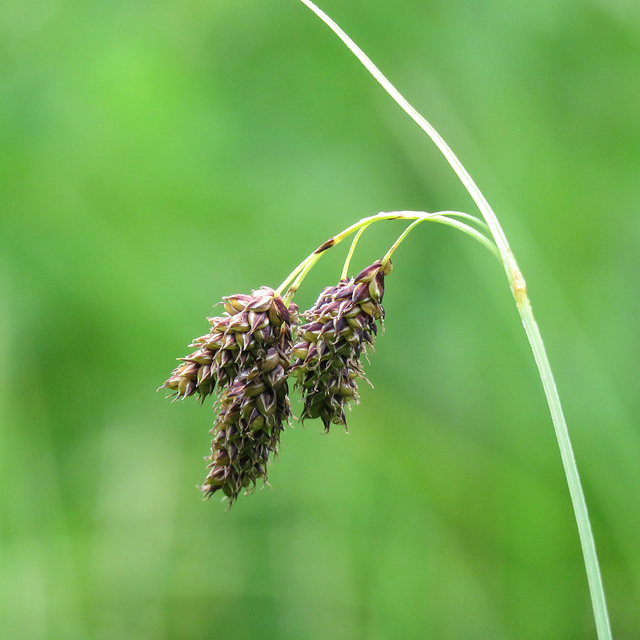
236 340
254 406
246 358
339 327
247 432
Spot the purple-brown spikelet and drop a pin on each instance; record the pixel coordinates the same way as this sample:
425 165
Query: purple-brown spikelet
339 327
219 354
246 356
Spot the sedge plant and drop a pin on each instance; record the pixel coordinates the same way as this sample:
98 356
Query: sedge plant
261 340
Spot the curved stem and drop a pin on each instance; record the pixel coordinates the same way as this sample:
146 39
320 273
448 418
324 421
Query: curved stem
481 202
397 243
315 256
470 231
446 219
300 272
352 248
307 265
519 290
587 541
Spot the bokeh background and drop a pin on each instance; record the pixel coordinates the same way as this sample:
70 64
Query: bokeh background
155 156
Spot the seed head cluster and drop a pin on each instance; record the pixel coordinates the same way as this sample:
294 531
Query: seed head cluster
248 355
339 327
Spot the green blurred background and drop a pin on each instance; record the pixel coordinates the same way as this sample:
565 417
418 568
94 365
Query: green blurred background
155 156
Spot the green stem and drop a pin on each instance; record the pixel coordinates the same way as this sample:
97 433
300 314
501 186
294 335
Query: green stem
446 218
297 276
518 288
465 228
397 243
352 248
587 540
299 273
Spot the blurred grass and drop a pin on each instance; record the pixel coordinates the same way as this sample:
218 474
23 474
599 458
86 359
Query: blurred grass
157 156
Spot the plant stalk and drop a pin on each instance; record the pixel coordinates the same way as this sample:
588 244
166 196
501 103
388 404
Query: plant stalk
519 290
443 217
